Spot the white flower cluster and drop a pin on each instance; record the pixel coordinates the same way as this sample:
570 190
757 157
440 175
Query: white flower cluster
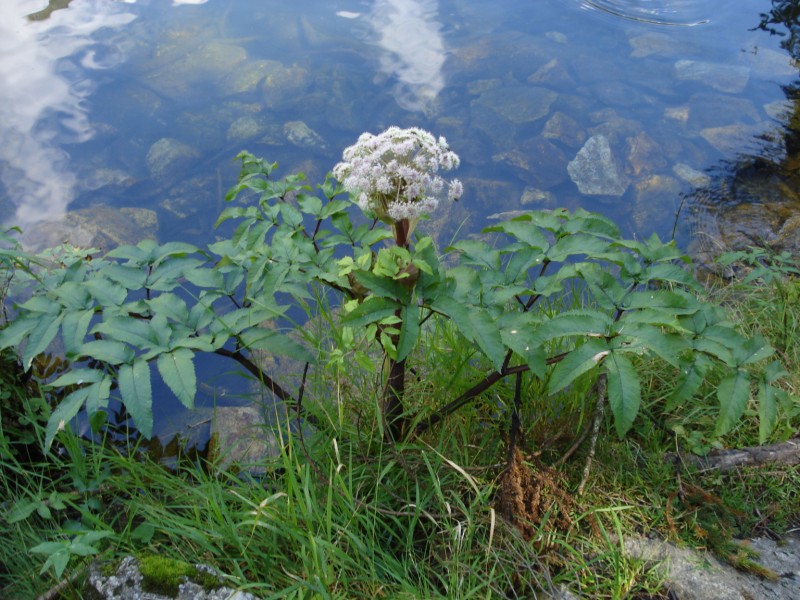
394 174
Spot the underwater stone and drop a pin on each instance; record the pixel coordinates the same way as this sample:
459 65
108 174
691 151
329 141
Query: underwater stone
101 226
722 77
168 157
518 104
300 134
595 171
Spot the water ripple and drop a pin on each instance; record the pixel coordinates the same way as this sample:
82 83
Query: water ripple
659 12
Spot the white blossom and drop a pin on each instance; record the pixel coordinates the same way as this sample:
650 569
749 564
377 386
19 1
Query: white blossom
395 174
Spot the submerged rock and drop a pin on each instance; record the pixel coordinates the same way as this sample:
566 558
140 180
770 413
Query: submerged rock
240 434
722 77
102 227
300 134
564 129
595 170
518 104
168 157
247 127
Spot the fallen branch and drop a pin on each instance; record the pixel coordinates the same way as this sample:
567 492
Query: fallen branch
784 453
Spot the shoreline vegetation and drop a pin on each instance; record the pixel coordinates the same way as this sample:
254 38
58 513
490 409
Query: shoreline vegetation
489 419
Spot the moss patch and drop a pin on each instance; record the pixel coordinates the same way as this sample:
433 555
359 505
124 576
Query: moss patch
162 575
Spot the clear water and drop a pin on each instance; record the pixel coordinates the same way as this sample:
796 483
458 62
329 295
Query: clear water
679 89
87 92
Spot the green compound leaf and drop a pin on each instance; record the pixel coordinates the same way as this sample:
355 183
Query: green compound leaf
64 413
371 310
624 391
40 337
577 362
733 393
178 372
111 352
409 331
137 394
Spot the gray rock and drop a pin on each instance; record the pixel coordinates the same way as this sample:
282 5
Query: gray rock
691 175
105 177
168 157
655 201
185 61
283 85
644 154
564 129
694 575
246 127
102 227
240 434
595 171
722 77
655 43
552 73
300 134
780 110
126 584
769 64
714 110
730 138
518 104
532 195
537 161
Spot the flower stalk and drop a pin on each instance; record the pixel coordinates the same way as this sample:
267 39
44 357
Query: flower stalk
394 177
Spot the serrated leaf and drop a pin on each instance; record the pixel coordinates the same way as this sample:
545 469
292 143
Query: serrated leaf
106 291
524 230
409 331
624 391
576 363
111 352
752 351
133 331
692 374
137 394
385 287
371 310
22 510
97 397
15 332
674 302
261 338
478 253
40 337
533 354
74 329
576 244
584 322
767 410
78 376
129 277
178 372
668 346
733 393
63 414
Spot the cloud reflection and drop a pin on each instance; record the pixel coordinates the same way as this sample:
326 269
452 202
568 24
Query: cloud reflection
413 49
43 100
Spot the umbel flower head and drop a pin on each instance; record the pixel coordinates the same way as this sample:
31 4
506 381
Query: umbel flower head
395 175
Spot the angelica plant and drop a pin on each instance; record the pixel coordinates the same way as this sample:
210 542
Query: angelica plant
151 308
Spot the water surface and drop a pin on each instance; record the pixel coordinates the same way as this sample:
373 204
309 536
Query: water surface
654 112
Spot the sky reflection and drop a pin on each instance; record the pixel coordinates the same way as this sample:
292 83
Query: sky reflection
410 36
43 100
